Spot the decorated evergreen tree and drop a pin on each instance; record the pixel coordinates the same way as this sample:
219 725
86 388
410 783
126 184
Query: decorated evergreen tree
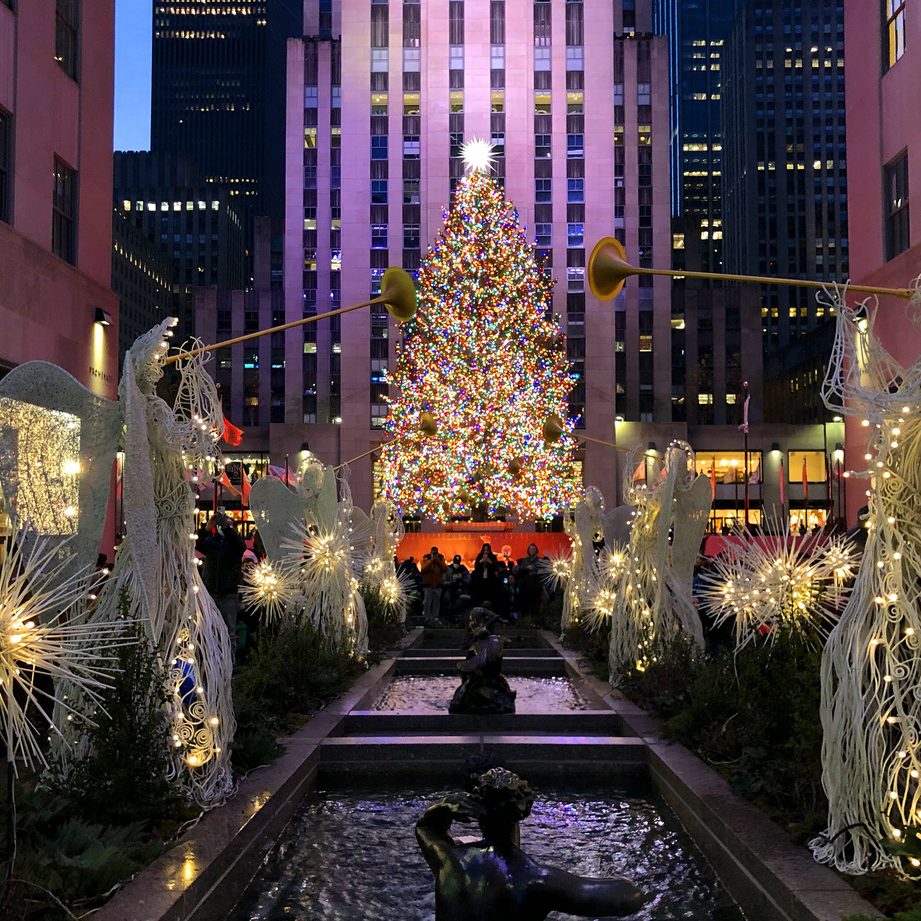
485 357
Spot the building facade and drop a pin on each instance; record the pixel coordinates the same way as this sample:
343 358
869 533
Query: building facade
381 97
883 48
141 277
785 189
218 77
195 224
56 110
696 32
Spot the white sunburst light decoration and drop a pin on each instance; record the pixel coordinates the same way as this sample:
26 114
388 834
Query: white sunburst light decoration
270 588
42 632
767 584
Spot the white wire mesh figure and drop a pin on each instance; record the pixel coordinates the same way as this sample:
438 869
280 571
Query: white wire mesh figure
871 666
155 567
380 574
655 599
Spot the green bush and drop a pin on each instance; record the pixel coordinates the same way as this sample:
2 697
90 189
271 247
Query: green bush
754 715
290 674
123 777
384 630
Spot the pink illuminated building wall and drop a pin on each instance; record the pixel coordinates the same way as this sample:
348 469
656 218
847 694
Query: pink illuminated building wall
56 103
883 55
380 98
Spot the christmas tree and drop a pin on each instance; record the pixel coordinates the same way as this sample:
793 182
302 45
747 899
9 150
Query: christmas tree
484 357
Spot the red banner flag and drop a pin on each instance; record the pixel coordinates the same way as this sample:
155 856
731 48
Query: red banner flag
232 434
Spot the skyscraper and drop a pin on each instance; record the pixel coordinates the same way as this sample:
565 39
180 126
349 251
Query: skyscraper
579 107
785 181
696 31
218 86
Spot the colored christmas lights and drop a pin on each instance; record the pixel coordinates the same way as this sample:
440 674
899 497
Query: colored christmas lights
484 357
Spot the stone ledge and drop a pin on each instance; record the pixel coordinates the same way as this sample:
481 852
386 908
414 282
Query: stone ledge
770 878
201 877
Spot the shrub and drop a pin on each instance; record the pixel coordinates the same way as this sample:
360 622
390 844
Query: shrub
123 777
289 675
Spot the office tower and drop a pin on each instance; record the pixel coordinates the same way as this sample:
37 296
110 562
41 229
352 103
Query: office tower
218 91
785 182
56 104
696 31
141 277
195 224
578 112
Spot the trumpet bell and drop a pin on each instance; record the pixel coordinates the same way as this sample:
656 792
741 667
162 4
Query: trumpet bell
398 293
608 269
553 429
427 424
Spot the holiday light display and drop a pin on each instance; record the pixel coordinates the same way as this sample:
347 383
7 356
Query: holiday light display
167 449
765 585
871 665
43 632
654 599
269 588
483 356
379 571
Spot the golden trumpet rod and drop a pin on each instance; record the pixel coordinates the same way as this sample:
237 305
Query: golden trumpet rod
382 299
408 437
607 444
905 293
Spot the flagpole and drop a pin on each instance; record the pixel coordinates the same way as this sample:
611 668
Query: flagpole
744 427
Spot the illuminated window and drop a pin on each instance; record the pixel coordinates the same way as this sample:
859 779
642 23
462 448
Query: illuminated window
410 103
67 35
497 57
810 463
575 234
64 212
729 466
894 35
411 146
574 103
6 149
895 188
574 58
542 103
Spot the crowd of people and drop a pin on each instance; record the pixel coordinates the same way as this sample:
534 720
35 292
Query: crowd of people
448 590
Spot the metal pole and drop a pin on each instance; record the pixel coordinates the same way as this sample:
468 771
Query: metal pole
745 448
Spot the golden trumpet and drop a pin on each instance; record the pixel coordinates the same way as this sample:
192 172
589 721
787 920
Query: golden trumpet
398 295
608 271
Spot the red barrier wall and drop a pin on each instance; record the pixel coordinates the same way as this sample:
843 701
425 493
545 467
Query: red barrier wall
468 544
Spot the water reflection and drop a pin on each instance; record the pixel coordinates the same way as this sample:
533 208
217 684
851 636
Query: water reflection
432 694
353 857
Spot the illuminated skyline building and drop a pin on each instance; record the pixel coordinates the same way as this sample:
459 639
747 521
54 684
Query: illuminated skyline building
785 186
218 73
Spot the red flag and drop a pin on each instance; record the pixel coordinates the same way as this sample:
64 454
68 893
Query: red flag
226 484
713 479
232 434
805 482
247 486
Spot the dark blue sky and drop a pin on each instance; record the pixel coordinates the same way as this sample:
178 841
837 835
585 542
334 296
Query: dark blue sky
133 21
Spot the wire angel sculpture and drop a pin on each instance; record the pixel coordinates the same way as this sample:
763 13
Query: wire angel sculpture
871 665
585 527
155 567
767 584
379 572
654 600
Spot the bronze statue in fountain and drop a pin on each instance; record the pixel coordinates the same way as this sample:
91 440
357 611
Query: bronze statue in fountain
484 688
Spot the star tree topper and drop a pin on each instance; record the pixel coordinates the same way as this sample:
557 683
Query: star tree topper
477 155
